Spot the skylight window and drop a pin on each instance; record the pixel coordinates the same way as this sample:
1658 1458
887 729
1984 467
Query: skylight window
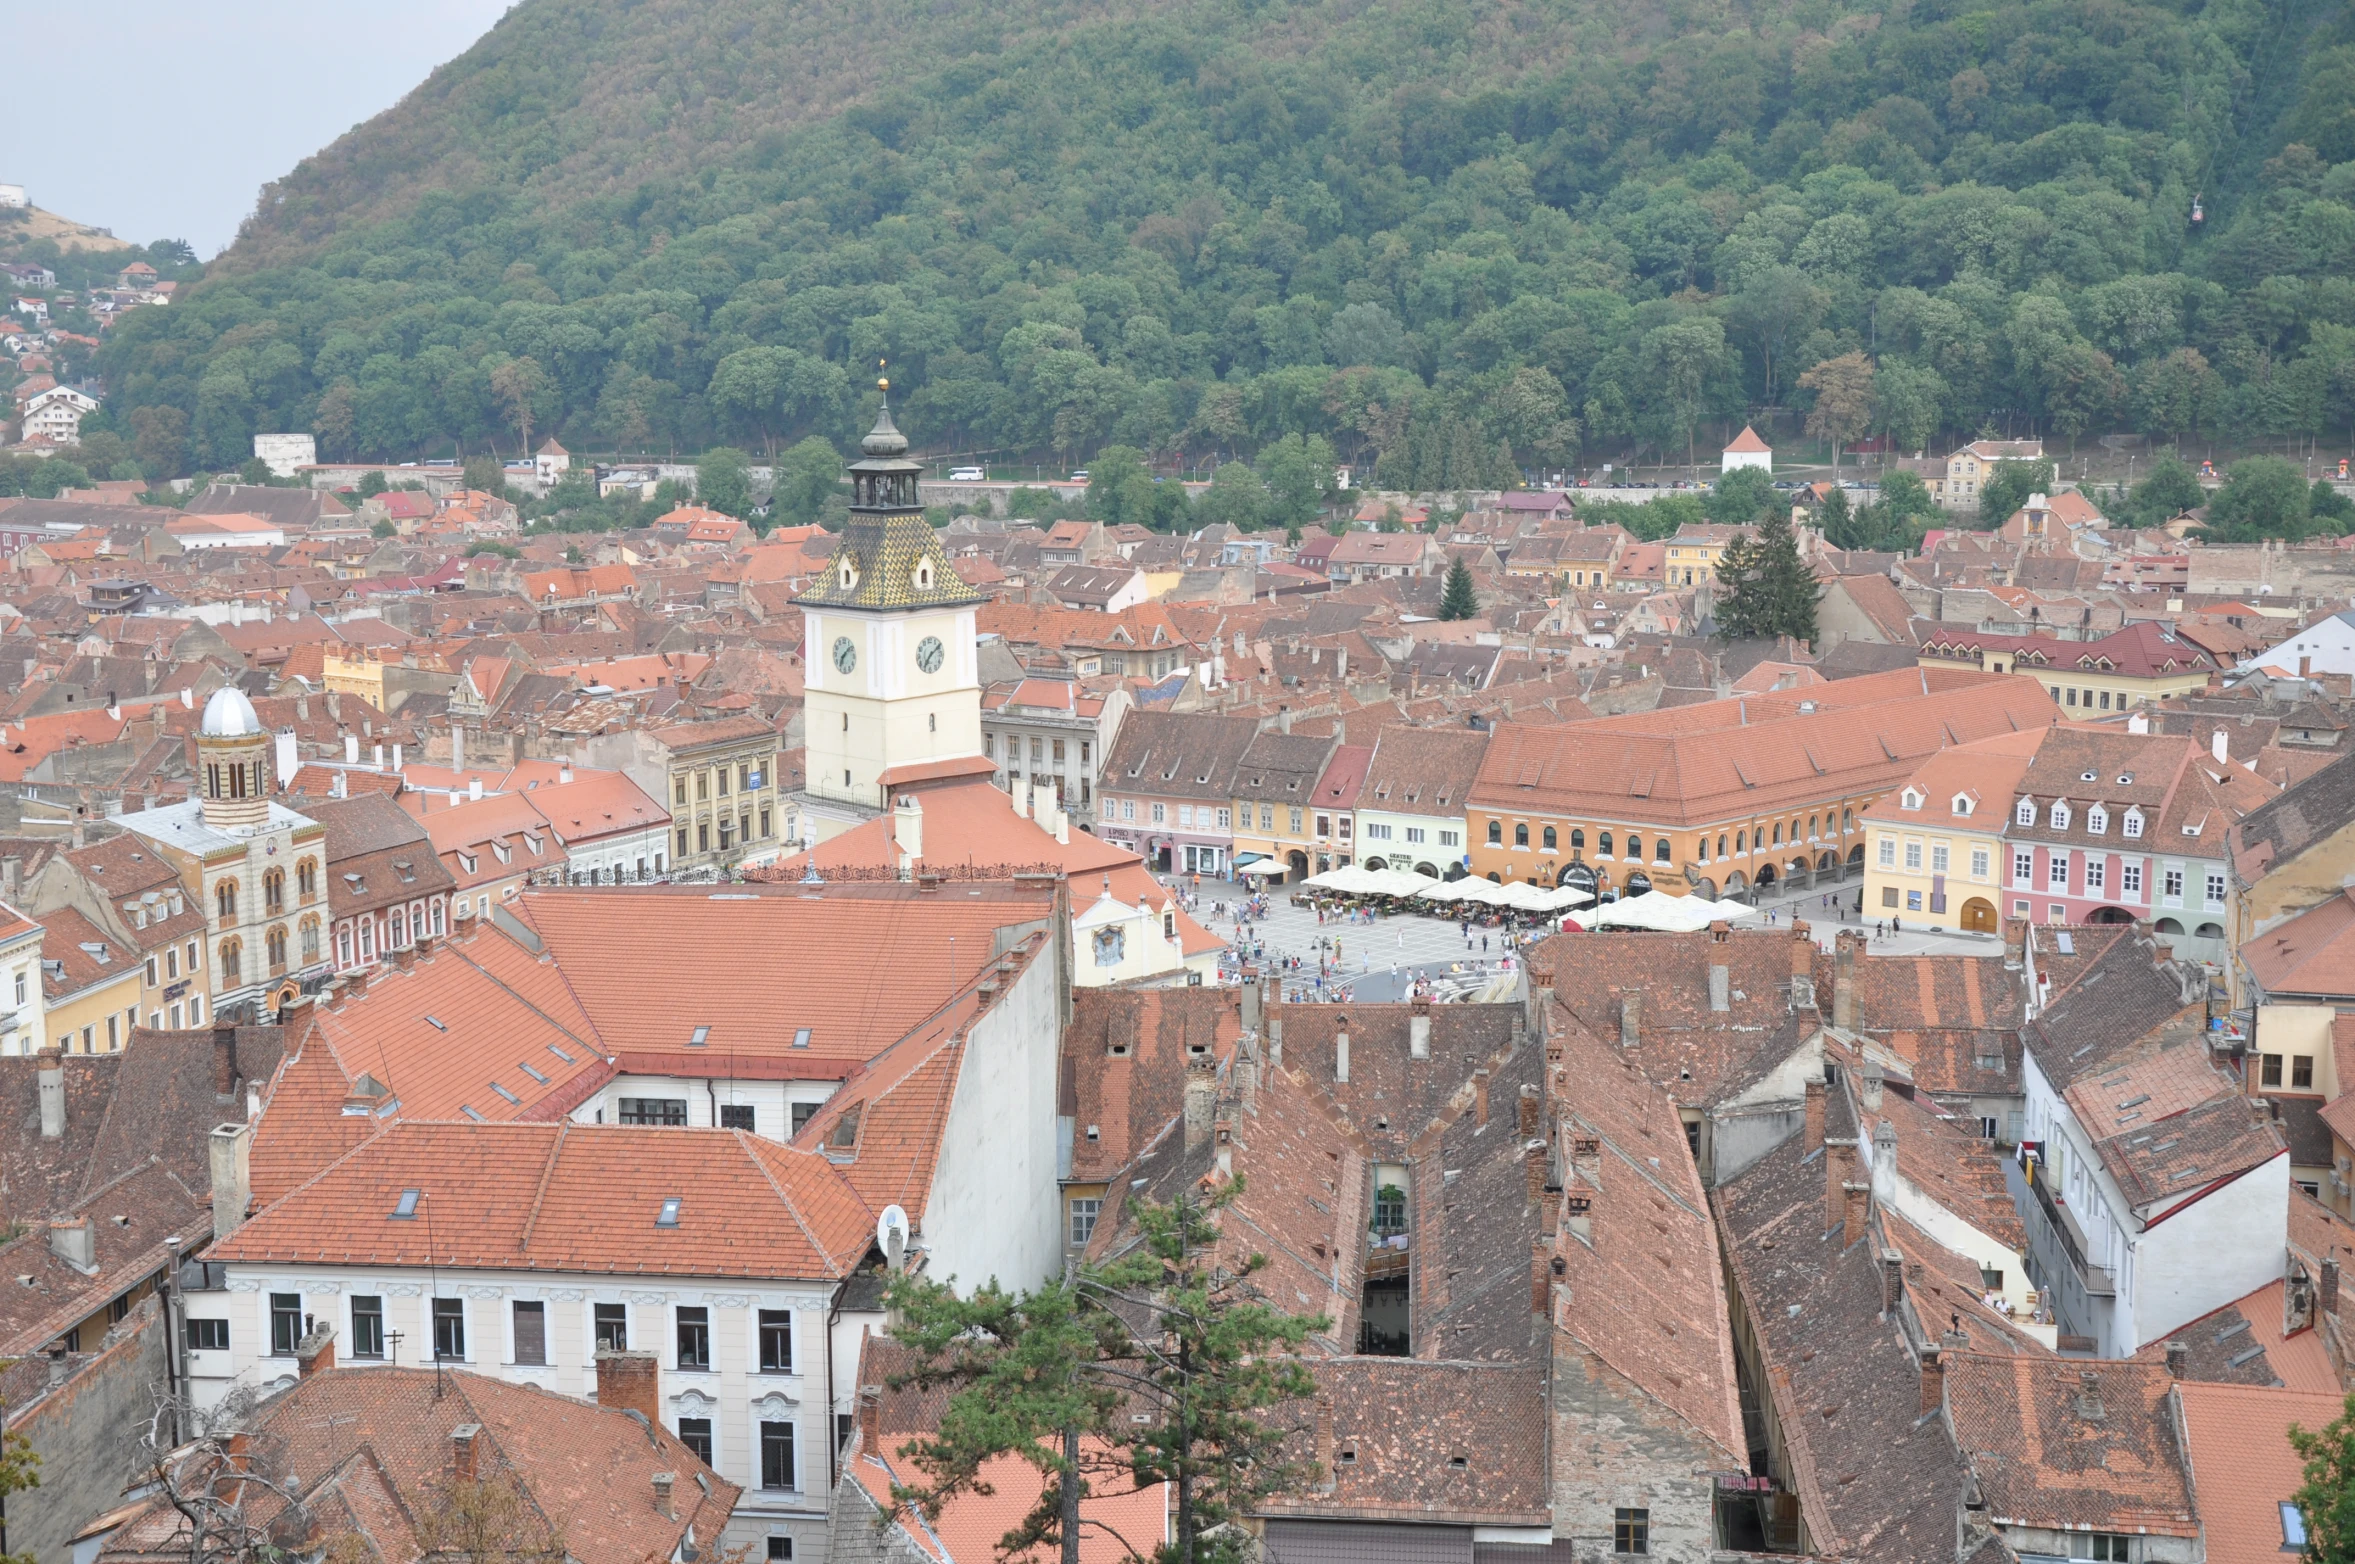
406 1211
669 1215
468 1110
436 1023
534 1074
504 1092
701 1036
801 1037
561 1054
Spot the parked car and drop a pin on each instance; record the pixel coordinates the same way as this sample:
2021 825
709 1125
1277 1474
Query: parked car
1080 476
967 475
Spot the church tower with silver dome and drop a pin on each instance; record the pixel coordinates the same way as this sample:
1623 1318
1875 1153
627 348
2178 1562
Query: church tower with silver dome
257 869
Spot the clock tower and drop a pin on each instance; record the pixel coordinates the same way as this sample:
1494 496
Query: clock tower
893 698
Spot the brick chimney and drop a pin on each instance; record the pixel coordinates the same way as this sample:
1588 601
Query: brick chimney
316 1351
1480 1097
1814 1114
1533 1166
1838 1156
1845 948
1201 1103
1541 1275
231 1153
1328 1467
2327 1289
225 1062
631 1381
1855 1205
1933 1379
663 1483
463 1439
871 1419
1528 1106
50 1077
1631 1016
2178 1359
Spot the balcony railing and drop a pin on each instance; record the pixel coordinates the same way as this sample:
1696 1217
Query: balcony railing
2098 1280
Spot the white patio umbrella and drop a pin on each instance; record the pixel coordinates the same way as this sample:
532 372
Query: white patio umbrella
1262 866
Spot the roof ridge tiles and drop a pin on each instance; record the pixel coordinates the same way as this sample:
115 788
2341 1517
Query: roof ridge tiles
540 1194
745 1140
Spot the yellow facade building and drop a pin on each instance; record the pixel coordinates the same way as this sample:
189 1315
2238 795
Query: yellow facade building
1934 847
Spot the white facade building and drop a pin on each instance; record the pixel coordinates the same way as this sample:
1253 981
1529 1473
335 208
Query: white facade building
285 454
57 413
24 1017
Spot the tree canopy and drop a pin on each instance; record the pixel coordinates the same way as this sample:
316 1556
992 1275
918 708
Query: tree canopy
1457 244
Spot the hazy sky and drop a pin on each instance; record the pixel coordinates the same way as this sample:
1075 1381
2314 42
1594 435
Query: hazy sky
167 124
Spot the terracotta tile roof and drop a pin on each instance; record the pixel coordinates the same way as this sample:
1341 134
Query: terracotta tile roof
1738 757
1125 1054
2072 1444
596 804
2242 1466
1174 755
2311 953
723 730
1983 775
1423 770
1747 442
1697 1055
2145 649
2246 1343
368 1450
1651 1247
2127 994
570 1198
1401 1426
84 955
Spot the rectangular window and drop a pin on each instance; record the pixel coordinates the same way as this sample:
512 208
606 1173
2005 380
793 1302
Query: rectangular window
2271 1077
1913 901
1185 817
2107 1548
2094 868
803 1112
367 1325
2057 871
2215 891
449 1329
1267 817
286 1308
1913 857
1295 822
531 1333
1161 814
776 1341
1979 863
1451 838
1414 835
208 1335
1939 856
1128 809
695 1434
1631 1531
613 1327
2130 879
2023 866
780 1548
694 1337
1226 820
1888 895
736 1116
1083 1219
2302 1073
776 1456
2174 886
654 1110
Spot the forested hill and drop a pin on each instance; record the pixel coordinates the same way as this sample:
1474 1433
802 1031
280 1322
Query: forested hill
1456 235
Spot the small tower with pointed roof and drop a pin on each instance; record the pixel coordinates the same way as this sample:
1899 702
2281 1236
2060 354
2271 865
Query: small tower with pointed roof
894 692
234 753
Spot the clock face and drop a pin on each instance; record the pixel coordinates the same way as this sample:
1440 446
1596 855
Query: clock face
846 656
929 653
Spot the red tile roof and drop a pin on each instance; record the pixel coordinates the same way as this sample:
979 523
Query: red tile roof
2242 1466
571 1198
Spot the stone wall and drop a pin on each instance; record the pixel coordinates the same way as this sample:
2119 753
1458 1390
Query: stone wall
88 1432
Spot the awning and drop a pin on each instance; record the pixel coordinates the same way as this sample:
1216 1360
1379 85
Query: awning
1241 859
1263 866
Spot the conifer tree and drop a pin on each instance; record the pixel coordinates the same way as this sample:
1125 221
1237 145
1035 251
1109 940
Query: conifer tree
1765 588
1843 525
1457 600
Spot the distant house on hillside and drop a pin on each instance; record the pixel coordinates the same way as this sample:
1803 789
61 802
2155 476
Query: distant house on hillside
1747 450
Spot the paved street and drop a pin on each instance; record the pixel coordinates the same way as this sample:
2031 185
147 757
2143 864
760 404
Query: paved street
1380 959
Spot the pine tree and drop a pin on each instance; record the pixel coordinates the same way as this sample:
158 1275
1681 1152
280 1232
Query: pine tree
1843 525
1766 588
1457 600
1052 1376
2326 1500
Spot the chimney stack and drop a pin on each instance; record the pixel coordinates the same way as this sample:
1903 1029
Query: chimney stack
2220 747
51 1076
1838 1157
1892 1281
1275 1042
224 1062
663 1482
1533 1166
1855 1205
1341 1056
1630 1019
1721 986
316 1351
1418 1030
1814 1114
75 1241
1528 1108
2178 1359
462 1442
1329 1474
1201 1103
231 1149
1933 1380
1844 950
2326 1296
1480 1098
631 1381
1873 1083
871 1418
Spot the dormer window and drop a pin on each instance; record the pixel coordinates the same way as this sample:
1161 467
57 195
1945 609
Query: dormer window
2060 814
1962 803
1910 799
924 575
847 576
2132 826
2026 813
2097 820
2085 776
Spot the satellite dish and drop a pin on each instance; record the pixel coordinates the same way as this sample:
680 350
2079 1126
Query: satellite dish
891 1234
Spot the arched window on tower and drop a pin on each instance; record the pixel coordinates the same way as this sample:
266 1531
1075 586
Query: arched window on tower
225 900
275 943
232 962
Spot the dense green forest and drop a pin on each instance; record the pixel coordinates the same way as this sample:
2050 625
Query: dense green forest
1452 238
